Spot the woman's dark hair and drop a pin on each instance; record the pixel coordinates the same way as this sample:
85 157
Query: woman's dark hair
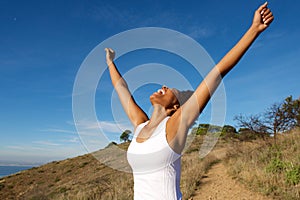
183 96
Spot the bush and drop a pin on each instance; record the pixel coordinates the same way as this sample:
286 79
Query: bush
201 129
293 175
275 166
245 134
1 186
228 129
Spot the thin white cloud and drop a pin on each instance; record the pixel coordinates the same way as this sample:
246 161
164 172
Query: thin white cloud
24 148
95 142
72 140
275 35
267 39
59 131
48 143
114 127
116 16
38 148
200 31
106 126
16 147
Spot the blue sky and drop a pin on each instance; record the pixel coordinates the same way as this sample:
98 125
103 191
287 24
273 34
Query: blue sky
43 44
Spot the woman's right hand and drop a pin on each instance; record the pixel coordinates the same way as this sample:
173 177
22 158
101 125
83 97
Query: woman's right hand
110 55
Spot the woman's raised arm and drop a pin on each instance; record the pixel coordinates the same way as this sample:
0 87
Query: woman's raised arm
135 114
194 106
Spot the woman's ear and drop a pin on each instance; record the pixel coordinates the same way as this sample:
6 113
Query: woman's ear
172 110
176 106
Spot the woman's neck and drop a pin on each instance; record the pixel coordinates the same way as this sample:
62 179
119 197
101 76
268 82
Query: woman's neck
159 113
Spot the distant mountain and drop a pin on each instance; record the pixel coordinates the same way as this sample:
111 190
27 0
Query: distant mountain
18 163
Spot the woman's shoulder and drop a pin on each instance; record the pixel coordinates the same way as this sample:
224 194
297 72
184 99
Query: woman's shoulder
140 126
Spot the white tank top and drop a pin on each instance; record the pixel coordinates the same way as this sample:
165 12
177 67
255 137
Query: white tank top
156 167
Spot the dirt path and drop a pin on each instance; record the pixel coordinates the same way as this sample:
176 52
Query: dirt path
218 185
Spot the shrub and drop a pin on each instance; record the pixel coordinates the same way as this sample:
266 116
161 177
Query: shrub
276 165
1 186
293 175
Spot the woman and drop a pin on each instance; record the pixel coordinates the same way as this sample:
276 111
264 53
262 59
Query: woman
155 151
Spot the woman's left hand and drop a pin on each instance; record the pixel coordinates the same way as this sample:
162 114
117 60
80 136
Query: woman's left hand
263 17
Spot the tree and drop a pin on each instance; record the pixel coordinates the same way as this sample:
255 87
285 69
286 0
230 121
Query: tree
278 118
202 129
282 117
292 107
228 129
253 123
228 132
245 134
125 136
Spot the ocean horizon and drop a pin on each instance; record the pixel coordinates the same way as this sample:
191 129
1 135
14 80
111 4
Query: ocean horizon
9 170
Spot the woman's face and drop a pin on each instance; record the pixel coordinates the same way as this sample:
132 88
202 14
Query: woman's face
165 97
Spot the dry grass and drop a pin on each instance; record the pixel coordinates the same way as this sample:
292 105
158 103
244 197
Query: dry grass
85 178
265 167
193 168
269 168
261 165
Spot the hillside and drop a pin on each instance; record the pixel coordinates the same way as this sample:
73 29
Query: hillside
84 177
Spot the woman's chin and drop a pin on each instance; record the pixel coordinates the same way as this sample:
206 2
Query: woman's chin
153 99
153 96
